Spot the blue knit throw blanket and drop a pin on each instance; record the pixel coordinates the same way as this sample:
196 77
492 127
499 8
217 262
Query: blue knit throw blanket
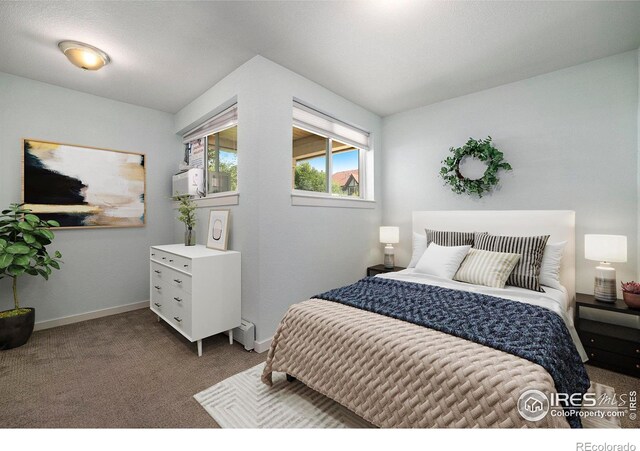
524 330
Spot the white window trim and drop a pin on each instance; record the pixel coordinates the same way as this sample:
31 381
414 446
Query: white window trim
365 152
315 199
226 118
226 198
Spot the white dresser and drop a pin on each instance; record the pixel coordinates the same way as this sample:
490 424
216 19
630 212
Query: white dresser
196 290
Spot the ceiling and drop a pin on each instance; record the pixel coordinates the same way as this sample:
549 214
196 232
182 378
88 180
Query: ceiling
385 55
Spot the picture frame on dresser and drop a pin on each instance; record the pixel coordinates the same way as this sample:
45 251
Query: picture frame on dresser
218 229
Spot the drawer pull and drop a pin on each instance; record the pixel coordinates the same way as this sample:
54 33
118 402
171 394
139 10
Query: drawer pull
592 355
156 304
592 340
637 351
153 255
178 299
157 287
157 272
164 258
186 266
177 319
177 280
170 261
637 365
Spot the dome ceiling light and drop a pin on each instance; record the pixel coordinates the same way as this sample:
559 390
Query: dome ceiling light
83 55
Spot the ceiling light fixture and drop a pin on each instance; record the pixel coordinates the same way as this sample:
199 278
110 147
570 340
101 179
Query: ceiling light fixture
83 55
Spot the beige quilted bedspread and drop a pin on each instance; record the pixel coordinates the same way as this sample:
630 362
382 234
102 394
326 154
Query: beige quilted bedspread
397 374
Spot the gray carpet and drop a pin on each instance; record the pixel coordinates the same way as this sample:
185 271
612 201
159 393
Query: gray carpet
125 370
130 371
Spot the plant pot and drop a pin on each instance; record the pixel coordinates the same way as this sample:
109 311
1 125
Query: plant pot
631 299
16 330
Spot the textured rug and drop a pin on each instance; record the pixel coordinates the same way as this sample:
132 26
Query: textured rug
243 401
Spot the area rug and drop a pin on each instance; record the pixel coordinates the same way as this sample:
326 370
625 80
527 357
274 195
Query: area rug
243 401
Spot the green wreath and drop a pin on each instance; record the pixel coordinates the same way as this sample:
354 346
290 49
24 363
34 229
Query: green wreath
482 150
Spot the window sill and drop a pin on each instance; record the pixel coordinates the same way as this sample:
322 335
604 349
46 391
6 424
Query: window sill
320 200
216 200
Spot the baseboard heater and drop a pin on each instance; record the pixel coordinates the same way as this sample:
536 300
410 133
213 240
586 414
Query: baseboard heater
245 334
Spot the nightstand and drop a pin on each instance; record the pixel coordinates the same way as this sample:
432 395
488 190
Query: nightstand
609 346
380 269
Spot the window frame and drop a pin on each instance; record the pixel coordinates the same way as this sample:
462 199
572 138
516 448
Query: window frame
206 164
365 155
228 116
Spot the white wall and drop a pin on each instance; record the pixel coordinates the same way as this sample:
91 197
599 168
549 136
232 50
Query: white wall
103 267
571 137
289 253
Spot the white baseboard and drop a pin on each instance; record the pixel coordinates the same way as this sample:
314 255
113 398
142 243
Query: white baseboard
90 315
262 346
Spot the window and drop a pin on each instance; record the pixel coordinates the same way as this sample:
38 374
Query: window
222 161
213 146
327 155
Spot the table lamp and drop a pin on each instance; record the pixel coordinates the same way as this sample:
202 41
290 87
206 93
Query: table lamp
605 249
389 236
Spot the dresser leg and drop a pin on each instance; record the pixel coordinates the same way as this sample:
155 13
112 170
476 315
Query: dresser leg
199 348
230 336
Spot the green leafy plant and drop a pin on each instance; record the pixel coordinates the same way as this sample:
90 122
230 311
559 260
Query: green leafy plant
308 178
23 241
483 150
187 210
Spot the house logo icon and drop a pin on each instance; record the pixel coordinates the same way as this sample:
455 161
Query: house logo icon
533 405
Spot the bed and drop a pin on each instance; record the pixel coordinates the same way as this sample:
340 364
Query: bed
396 373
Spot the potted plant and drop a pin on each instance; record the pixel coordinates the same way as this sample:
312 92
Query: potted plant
23 241
631 294
187 209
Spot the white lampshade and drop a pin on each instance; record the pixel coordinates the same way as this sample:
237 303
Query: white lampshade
389 235
605 248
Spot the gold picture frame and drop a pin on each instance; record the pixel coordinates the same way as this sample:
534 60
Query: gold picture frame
83 186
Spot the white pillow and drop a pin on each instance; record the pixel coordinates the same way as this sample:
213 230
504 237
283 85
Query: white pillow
442 261
550 266
419 246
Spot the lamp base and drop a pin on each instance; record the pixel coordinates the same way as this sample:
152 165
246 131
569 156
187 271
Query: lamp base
605 287
389 258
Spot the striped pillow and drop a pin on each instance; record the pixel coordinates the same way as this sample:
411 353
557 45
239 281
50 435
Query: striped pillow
487 268
526 273
446 238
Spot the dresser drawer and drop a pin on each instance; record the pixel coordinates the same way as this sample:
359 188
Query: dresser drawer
618 346
159 302
181 305
181 321
172 260
180 282
628 365
160 273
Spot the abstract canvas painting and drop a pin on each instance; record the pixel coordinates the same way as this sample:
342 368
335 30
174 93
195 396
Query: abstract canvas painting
84 186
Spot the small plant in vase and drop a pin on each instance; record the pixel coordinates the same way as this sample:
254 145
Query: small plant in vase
187 209
631 294
23 240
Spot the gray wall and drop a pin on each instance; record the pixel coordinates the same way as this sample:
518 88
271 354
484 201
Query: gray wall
571 137
103 267
288 252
